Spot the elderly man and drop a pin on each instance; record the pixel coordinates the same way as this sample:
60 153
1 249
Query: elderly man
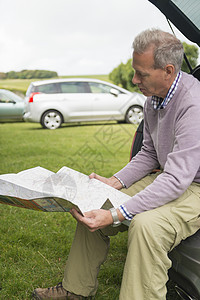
164 207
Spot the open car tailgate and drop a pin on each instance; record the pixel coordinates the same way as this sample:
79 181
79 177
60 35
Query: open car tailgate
184 14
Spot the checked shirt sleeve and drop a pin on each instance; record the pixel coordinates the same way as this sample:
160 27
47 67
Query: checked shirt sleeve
125 213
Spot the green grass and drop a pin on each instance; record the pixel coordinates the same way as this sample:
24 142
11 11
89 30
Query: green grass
35 245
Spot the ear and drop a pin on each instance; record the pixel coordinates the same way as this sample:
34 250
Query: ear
169 71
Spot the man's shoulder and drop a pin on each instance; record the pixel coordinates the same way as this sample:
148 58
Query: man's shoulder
188 86
189 79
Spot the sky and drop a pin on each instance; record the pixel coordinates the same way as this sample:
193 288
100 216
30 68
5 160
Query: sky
73 37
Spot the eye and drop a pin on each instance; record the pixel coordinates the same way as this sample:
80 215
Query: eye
141 75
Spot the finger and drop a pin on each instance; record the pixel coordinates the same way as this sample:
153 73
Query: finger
77 215
92 175
90 214
80 218
98 177
87 220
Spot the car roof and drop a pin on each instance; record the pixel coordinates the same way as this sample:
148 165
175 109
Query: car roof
57 80
184 14
66 80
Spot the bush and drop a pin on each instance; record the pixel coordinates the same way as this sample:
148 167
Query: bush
2 75
30 74
122 75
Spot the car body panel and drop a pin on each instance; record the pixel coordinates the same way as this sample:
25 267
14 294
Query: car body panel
185 270
11 105
98 101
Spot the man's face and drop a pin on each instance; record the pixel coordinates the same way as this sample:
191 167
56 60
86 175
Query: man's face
149 80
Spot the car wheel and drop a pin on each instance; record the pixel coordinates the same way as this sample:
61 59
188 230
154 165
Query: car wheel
134 114
51 119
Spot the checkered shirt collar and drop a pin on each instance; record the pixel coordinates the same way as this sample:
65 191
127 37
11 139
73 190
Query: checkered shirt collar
160 103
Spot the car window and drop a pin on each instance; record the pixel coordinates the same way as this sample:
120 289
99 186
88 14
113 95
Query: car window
73 87
49 88
99 88
191 9
184 14
6 99
30 90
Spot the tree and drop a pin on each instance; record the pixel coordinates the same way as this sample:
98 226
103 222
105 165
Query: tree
2 75
122 75
12 75
192 54
29 74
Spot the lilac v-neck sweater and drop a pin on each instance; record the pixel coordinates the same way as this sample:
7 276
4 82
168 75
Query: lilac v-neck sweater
171 140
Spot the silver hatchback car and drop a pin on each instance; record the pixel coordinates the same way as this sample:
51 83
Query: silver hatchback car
53 102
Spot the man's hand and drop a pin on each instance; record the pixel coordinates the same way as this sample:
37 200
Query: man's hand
112 181
95 219
98 218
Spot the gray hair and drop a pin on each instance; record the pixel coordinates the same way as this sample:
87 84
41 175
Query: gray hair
167 48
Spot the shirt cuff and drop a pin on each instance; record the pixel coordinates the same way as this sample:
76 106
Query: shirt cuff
125 213
124 186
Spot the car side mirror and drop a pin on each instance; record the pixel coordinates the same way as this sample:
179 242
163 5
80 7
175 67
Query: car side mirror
114 92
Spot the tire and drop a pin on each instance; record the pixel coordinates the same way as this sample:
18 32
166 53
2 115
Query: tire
51 119
134 115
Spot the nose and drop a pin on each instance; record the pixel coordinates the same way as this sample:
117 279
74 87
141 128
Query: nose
136 79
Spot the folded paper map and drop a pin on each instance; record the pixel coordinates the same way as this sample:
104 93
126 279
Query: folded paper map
42 190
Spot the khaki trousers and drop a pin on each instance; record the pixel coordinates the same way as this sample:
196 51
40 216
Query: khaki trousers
151 235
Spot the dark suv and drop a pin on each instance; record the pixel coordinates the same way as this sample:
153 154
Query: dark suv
185 271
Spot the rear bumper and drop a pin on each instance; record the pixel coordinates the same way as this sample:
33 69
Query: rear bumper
27 117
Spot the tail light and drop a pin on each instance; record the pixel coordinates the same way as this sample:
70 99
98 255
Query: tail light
31 96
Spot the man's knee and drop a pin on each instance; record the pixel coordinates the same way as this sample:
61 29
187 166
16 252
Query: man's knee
142 221
153 229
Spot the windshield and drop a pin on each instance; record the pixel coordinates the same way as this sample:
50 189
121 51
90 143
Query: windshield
191 9
184 14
